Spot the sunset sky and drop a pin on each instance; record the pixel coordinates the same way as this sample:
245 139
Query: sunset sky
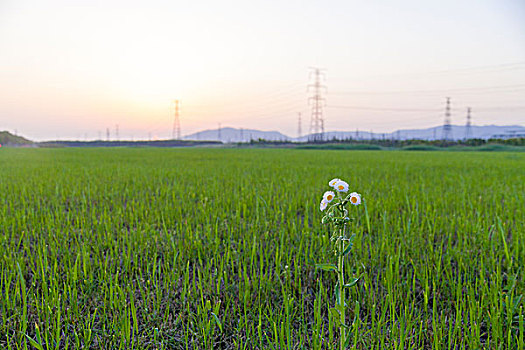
71 69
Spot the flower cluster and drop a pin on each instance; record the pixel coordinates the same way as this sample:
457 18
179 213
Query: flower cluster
341 187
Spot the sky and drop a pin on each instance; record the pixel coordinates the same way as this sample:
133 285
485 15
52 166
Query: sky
77 69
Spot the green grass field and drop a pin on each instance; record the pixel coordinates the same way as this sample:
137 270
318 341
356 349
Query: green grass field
215 249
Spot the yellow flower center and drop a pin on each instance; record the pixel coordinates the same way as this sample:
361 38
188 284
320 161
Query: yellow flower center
341 187
353 199
329 197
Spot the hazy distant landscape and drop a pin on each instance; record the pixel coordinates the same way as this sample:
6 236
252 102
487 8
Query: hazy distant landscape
233 135
436 133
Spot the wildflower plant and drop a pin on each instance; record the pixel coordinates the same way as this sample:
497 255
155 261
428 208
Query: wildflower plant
336 215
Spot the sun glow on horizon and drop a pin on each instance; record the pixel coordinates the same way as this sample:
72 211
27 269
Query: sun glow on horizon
75 70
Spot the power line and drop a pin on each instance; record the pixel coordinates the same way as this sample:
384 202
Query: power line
394 109
504 66
466 70
482 89
391 109
277 103
284 101
508 108
286 92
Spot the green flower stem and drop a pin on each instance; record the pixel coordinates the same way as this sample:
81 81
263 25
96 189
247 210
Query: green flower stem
337 216
342 307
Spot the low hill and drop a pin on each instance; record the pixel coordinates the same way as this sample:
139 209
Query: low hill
8 139
236 135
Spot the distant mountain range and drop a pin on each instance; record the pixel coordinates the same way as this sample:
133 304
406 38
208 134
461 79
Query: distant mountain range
434 133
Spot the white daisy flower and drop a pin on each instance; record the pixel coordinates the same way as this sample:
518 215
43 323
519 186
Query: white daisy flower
355 198
341 186
329 196
333 182
323 204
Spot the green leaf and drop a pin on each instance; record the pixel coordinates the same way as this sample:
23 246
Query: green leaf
217 321
348 248
34 343
38 337
516 304
337 294
326 267
351 284
366 215
347 341
350 245
335 314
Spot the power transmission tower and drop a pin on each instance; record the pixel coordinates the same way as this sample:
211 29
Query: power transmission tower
447 127
174 108
299 125
242 134
318 102
107 134
468 131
